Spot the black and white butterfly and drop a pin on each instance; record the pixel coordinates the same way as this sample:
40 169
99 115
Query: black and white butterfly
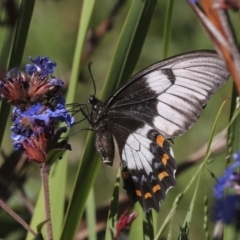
156 105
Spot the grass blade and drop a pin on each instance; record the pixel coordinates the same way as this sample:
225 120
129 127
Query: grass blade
90 216
136 230
167 28
148 231
113 211
13 43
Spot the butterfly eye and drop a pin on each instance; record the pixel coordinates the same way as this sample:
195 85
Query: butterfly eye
92 100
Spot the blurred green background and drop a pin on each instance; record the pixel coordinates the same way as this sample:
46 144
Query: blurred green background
53 33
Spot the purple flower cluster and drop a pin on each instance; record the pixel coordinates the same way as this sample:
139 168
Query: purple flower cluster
38 109
42 65
227 206
23 90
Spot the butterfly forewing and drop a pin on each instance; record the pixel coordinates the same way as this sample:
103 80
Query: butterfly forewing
159 103
170 94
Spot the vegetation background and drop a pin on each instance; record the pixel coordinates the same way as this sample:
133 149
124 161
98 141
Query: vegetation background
53 32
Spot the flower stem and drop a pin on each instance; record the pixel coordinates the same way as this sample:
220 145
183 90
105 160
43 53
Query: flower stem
45 174
17 217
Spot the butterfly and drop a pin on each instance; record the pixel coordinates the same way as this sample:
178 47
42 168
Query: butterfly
154 106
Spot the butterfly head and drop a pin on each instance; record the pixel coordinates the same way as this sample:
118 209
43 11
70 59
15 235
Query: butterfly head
92 100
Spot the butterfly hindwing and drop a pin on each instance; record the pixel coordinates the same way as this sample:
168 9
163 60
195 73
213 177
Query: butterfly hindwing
148 165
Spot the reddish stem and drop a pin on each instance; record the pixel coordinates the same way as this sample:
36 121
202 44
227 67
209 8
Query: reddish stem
45 183
17 217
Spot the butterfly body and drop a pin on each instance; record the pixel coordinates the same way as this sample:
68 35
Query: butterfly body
99 121
160 103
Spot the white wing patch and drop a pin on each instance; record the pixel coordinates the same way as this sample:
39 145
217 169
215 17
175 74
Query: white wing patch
167 127
136 151
181 103
195 86
157 81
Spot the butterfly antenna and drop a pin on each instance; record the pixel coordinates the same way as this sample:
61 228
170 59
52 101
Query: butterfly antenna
73 133
94 84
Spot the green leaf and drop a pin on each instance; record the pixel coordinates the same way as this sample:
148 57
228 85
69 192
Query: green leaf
54 155
167 27
90 215
169 216
234 129
38 237
13 41
156 222
130 44
40 226
136 230
148 231
206 216
113 210
86 14
186 225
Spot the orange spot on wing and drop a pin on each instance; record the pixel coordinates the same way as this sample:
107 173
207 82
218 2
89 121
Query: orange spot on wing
165 159
138 193
160 140
156 188
162 175
147 195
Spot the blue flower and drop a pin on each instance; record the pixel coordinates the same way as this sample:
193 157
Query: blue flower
61 114
226 209
35 130
39 108
38 117
56 82
229 179
23 121
236 156
43 65
18 146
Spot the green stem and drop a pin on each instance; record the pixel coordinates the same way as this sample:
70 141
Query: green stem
167 28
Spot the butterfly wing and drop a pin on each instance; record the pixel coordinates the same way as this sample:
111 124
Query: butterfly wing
161 102
148 165
171 94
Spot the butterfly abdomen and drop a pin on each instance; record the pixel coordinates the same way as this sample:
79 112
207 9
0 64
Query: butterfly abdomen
105 146
104 139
